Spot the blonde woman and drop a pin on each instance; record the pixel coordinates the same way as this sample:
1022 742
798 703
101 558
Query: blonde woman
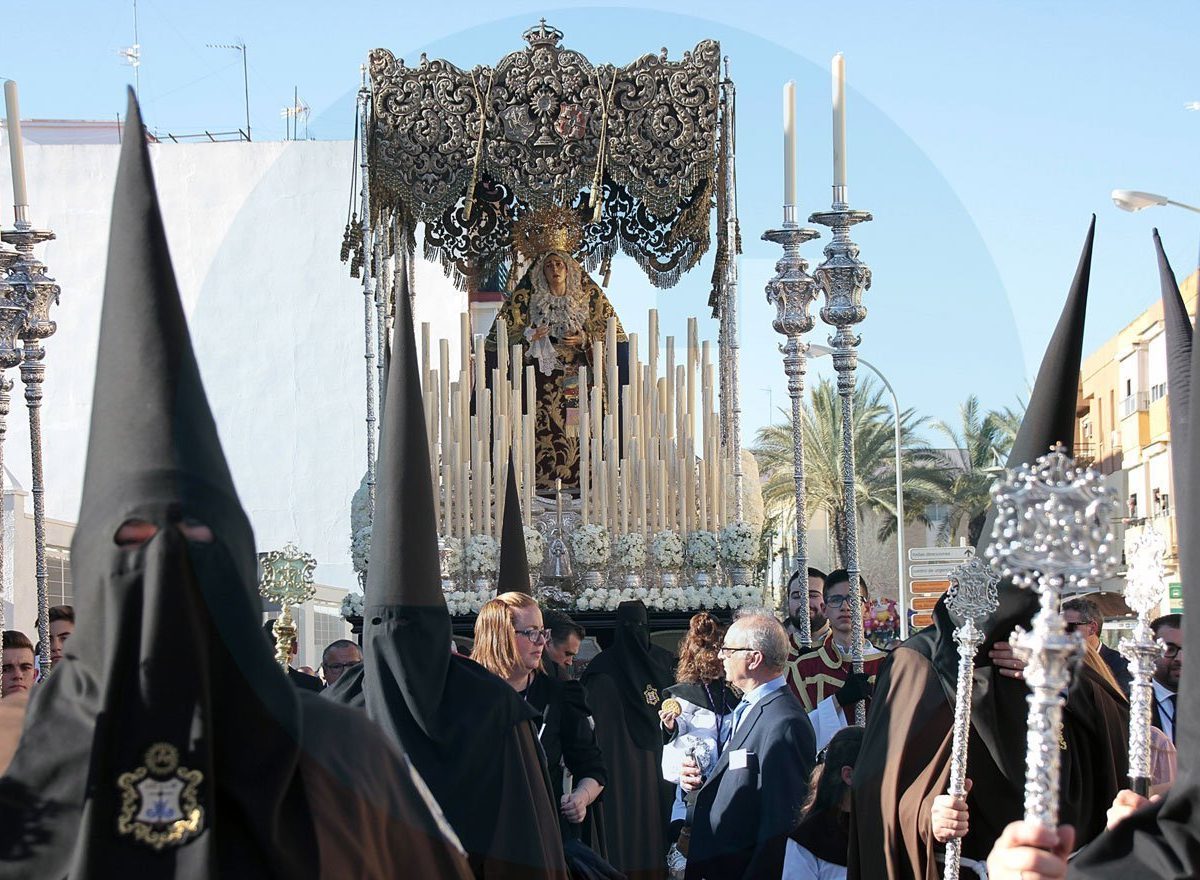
510 639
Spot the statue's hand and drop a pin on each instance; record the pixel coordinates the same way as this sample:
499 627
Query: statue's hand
575 340
539 333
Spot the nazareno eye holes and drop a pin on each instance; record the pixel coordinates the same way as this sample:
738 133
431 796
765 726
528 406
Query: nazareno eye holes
134 533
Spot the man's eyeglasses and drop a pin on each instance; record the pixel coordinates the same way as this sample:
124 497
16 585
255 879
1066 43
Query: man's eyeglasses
725 650
537 636
338 667
1172 651
837 600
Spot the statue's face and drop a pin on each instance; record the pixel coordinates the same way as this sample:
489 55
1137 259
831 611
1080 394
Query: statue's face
555 270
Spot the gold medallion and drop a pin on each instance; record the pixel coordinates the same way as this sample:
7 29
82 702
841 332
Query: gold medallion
159 802
673 706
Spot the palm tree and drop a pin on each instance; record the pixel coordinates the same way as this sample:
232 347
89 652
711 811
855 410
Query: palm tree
874 453
976 446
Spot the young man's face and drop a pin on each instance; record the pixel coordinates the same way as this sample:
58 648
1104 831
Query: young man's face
17 671
1168 667
839 610
563 653
60 631
798 594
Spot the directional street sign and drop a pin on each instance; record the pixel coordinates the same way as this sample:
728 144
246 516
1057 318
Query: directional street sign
928 570
926 587
924 603
940 554
921 619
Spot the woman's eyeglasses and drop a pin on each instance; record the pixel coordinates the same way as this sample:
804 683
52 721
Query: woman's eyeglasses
537 636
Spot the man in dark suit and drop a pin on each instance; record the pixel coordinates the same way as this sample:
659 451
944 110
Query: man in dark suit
1083 615
747 805
302 680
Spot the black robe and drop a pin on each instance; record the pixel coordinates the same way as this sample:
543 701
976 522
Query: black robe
624 689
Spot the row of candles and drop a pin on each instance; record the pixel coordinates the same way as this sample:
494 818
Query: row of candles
650 452
839 131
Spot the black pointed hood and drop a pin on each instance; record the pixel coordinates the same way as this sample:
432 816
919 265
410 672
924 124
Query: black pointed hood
1049 419
1178 327
514 563
167 675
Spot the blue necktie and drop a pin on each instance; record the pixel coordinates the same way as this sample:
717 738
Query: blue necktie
738 711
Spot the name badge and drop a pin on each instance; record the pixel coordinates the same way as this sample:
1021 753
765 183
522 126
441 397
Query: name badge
738 759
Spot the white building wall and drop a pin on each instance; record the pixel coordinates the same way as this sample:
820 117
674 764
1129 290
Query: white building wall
276 321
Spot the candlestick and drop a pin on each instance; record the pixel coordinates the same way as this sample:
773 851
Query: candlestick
839 125
789 144
16 150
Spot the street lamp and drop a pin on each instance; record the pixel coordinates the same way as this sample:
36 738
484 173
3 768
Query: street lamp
815 351
1135 200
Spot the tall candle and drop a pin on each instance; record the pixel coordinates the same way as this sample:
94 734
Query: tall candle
839 119
16 148
464 341
669 401
693 358
425 354
585 442
789 143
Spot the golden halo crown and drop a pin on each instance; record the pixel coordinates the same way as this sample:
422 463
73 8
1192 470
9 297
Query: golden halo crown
555 228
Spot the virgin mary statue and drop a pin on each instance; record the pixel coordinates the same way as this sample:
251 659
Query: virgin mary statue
556 311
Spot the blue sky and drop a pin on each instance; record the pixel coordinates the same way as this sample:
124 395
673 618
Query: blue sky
981 135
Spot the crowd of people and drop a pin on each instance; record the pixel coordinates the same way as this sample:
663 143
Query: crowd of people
165 740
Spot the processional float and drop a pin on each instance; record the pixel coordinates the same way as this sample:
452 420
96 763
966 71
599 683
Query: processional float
26 295
546 150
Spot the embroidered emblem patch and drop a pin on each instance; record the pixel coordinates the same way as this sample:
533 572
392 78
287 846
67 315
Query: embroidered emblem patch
159 800
651 695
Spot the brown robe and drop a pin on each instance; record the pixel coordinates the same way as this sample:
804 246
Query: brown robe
905 764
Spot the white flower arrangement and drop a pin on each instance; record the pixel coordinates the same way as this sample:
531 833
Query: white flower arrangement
360 549
452 553
535 548
352 605
629 551
702 550
666 550
460 602
590 545
739 543
671 599
482 555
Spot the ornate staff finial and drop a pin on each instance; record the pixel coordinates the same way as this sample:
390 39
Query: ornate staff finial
1145 584
287 578
1052 531
972 598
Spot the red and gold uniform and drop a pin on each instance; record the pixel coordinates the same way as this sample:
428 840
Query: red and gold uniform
821 672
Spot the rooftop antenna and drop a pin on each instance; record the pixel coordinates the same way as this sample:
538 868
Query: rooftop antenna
133 55
239 46
291 115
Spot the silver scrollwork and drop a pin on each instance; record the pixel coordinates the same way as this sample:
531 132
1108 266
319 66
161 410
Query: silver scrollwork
843 278
792 291
972 598
1145 585
1052 532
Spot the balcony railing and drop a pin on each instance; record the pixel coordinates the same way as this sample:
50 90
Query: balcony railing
1137 402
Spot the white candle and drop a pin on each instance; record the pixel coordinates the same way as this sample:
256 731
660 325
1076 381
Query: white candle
789 143
16 147
839 120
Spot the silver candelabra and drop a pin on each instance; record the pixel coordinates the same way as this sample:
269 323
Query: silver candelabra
792 291
843 278
31 292
1144 587
972 598
1052 532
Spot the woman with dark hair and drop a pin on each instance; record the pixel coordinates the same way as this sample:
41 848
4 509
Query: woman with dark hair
818 847
695 714
510 639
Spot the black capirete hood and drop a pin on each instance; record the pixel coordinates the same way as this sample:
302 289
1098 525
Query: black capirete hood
639 667
1178 327
514 563
167 678
1049 419
1163 840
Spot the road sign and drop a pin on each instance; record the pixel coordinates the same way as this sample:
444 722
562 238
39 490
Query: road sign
935 570
940 554
927 587
924 603
921 619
